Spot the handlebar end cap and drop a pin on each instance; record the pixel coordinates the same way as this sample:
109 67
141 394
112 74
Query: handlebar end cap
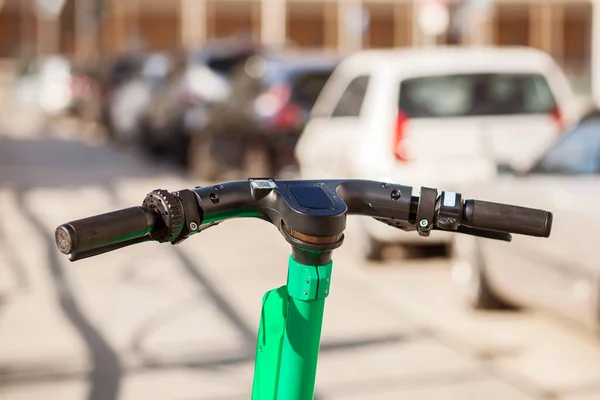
548 224
66 238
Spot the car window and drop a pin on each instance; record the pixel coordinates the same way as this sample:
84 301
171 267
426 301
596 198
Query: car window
475 95
306 87
351 101
577 153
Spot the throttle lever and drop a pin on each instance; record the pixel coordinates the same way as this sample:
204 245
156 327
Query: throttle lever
450 211
484 233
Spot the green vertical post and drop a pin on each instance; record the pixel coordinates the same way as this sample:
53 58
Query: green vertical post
268 347
289 335
308 286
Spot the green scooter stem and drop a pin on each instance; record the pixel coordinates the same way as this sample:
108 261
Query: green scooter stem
290 334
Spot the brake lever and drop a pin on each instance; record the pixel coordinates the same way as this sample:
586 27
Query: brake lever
80 255
503 236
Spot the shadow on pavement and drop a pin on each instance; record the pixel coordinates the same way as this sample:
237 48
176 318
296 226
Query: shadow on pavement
29 164
53 163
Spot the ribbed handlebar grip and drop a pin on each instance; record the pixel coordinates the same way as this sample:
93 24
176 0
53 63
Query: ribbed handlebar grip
507 218
104 229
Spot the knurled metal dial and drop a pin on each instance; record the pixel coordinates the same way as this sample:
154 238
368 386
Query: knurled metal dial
169 207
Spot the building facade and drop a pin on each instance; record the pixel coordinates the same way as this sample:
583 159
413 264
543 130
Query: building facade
561 27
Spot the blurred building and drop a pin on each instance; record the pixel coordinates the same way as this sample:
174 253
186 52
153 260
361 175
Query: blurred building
91 28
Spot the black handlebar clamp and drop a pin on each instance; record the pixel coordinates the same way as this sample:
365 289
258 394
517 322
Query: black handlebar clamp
426 211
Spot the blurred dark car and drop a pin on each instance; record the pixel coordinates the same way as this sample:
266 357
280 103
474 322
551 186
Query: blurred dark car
85 93
178 109
270 99
112 74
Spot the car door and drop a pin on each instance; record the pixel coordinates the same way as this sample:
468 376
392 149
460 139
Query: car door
322 150
558 273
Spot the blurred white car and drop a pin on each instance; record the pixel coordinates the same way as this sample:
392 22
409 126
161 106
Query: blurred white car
438 117
46 85
132 98
561 273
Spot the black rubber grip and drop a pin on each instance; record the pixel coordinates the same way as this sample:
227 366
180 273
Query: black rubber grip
507 218
104 229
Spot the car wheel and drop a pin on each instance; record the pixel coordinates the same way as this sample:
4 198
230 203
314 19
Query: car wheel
178 143
200 160
257 162
470 272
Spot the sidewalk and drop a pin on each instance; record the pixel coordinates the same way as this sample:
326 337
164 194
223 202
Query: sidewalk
180 322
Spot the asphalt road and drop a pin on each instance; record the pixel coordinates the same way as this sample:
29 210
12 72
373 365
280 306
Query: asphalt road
179 322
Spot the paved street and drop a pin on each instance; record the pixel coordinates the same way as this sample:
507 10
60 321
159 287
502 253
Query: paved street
179 322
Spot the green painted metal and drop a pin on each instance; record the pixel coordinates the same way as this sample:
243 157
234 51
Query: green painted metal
268 347
223 215
302 336
290 334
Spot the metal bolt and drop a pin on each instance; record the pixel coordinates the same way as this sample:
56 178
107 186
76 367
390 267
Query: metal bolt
396 194
423 223
305 292
193 226
214 198
327 281
307 280
219 187
385 185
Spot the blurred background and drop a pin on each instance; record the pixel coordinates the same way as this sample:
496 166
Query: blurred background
102 101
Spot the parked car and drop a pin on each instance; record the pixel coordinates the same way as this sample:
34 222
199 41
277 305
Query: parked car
559 274
438 117
132 99
178 108
271 96
45 84
85 92
113 74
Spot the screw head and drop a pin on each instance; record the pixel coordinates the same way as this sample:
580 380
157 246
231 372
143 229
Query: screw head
327 281
385 185
326 291
219 187
423 223
396 194
305 292
193 226
307 280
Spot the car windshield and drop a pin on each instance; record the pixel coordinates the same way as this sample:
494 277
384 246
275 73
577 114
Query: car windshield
475 95
577 153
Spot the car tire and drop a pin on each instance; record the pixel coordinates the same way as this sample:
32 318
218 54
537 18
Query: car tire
478 292
201 164
257 162
179 142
